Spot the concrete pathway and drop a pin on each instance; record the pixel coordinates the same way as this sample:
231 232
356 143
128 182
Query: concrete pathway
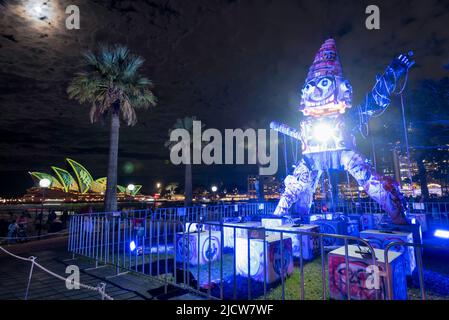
52 254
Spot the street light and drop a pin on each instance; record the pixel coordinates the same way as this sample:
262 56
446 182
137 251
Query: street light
131 187
360 188
158 185
214 188
44 184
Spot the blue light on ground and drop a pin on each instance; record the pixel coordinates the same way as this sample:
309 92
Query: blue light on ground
440 233
132 246
434 282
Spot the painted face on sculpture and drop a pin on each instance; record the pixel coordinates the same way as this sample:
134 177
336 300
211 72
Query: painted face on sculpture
319 92
325 95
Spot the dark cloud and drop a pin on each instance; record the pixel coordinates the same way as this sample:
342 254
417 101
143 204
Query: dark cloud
229 63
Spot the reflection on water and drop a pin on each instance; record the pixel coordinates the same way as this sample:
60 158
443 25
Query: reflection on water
85 207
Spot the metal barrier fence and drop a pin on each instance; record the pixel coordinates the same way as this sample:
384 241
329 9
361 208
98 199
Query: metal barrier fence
417 248
148 242
214 212
171 252
436 212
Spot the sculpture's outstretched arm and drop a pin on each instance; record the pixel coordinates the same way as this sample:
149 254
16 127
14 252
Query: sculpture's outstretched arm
379 98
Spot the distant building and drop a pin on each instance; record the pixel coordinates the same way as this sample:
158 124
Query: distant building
264 187
64 185
253 186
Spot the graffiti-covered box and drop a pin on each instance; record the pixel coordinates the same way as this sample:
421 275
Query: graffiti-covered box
269 263
332 227
354 224
241 231
361 274
310 244
381 238
371 220
271 223
198 248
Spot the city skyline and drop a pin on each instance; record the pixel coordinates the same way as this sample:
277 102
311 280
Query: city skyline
250 73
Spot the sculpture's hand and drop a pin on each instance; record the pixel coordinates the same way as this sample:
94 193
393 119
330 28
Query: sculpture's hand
404 61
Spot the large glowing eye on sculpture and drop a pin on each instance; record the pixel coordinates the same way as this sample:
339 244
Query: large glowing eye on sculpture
346 86
324 83
308 87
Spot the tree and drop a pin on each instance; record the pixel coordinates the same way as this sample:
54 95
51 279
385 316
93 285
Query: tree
112 85
171 188
186 124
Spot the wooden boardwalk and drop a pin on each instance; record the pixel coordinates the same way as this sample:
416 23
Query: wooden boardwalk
53 255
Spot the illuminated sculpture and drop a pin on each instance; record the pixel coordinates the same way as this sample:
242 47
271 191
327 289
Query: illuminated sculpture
325 133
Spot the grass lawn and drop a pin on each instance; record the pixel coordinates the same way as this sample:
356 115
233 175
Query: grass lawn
312 278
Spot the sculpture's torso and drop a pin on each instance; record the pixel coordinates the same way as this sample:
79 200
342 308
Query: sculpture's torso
325 133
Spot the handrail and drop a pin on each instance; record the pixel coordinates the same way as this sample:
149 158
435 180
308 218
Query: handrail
100 288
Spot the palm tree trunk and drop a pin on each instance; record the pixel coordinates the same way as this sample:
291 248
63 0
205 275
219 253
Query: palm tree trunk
110 201
188 185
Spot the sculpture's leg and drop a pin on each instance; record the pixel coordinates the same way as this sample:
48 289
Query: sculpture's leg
383 190
298 187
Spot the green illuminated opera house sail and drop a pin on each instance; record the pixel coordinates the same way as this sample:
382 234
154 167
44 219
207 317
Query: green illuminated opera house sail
82 183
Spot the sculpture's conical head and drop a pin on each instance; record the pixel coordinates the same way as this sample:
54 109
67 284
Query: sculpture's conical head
326 62
325 90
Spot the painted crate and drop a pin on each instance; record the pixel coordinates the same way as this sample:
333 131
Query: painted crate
371 220
270 266
381 238
310 244
187 247
228 232
332 227
361 281
415 229
271 223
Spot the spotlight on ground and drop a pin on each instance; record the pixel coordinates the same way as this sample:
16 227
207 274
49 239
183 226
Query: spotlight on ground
440 233
132 246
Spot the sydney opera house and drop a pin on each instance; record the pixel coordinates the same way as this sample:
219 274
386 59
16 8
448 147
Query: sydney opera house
78 185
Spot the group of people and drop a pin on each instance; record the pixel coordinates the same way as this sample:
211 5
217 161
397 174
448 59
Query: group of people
18 229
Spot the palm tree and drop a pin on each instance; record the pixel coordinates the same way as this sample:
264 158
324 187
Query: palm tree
171 188
187 124
111 84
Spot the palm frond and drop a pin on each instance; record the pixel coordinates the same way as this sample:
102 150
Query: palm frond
128 113
111 79
185 123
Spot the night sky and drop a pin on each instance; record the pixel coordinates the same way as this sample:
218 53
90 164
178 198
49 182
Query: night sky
229 63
